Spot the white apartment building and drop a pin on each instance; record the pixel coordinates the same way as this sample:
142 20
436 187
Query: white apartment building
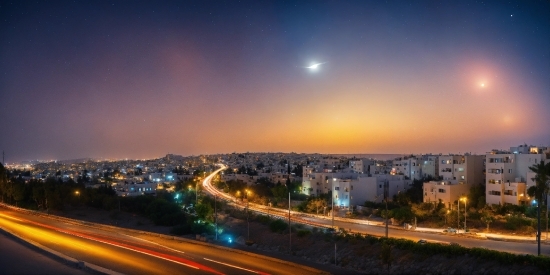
430 166
369 166
355 191
409 166
446 192
458 173
361 166
465 169
136 189
509 176
316 183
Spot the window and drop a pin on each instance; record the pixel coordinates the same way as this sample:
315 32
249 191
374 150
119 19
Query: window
336 188
494 193
441 190
510 171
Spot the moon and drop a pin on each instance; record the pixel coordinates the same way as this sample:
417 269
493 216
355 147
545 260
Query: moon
315 66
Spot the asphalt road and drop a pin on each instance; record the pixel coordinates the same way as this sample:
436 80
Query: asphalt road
360 227
132 253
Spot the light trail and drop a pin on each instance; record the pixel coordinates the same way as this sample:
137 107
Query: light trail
238 267
147 241
148 252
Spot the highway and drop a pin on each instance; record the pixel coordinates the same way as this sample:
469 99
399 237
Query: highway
133 253
374 228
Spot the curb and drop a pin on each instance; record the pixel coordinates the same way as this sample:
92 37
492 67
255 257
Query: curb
60 257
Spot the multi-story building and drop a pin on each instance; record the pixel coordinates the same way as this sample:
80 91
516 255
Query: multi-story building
446 192
429 166
409 166
355 191
509 176
465 169
457 173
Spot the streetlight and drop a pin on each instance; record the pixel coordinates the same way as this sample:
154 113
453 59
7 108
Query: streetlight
216 214
448 211
458 217
247 221
465 199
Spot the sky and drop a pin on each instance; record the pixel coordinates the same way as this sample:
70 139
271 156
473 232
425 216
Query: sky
140 79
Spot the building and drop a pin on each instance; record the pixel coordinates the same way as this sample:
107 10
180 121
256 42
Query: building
409 166
465 169
509 176
429 166
446 192
356 191
457 173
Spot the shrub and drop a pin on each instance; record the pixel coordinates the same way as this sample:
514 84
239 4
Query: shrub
278 226
303 233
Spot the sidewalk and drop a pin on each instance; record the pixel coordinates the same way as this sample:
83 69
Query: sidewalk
492 236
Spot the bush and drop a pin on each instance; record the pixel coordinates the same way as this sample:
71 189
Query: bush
303 233
515 222
263 219
278 226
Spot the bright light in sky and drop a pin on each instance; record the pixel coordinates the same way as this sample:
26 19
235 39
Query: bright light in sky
315 66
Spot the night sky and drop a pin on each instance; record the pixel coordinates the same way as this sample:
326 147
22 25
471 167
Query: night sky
130 79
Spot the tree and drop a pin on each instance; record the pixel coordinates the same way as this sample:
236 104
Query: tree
487 219
316 204
279 191
477 196
539 190
3 182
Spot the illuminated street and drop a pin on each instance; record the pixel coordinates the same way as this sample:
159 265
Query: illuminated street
136 254
361 226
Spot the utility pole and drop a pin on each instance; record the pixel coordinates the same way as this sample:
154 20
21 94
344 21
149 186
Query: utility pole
538 228
216 214
386 183
332 209
335 253
546 222
289 226
458 217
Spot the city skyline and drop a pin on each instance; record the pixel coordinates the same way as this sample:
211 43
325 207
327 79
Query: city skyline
140 79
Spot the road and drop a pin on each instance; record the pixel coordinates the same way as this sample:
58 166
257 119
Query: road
132 253
374 228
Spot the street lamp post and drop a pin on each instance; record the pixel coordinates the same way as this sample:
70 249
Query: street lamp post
289 226
458 217
216 214
247 220
386 195
332 209
465 208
